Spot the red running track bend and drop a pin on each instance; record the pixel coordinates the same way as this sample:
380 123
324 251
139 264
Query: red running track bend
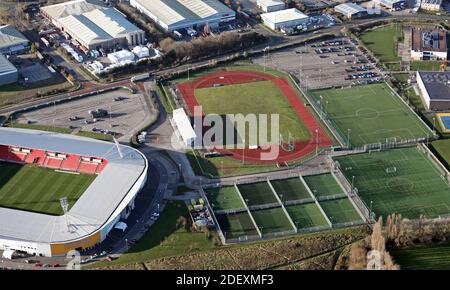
302 148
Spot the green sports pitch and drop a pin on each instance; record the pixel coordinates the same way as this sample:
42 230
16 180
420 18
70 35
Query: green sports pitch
32 188
340 211
306 215
272 220
400 181
236 225
260 97
370 114
291 189
224 198
323 185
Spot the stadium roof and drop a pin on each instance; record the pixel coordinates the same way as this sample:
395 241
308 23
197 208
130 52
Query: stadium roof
10 36
173 11
91 23
437 85
6 66
349 8
102 201
429 40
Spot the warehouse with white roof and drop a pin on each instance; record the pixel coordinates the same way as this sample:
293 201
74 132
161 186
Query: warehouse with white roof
108 199
283 19
351 10
173 15
8 72
270 5
93 26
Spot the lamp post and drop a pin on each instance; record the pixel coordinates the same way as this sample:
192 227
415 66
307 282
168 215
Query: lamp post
317 141
348 137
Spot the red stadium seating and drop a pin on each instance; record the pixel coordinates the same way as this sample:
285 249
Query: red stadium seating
70 162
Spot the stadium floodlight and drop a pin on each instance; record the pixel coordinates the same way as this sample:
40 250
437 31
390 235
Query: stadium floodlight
65 207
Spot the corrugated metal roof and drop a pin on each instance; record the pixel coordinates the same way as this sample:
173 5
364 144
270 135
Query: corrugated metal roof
349 8
268 3
98 204
65 9
6 66
111 21
84 29
173 11
10 36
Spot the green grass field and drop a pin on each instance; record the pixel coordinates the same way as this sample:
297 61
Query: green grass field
415 188
306 215
236 225
382 41
257 193
340 211
272 220
224 198
429 257
426 65
371 114
290 189
323 184
261 97
37 189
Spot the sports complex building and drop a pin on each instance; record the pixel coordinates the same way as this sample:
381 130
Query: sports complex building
171 15
117 172
93 26
434 88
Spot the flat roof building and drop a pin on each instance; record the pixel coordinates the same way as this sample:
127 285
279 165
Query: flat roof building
393 4
184 127
8 72
431 5
270 5
428 44
173 15
434 90
12 41
93 26
351 10
283 19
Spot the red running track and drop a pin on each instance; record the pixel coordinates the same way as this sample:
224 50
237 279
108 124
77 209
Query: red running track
302 148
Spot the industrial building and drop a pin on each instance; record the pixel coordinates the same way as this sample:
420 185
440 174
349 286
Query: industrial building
428 44
284 19
393 4
8 73
93 26
173 15
107 202
12 41
434 90
431 5
270 5
351 10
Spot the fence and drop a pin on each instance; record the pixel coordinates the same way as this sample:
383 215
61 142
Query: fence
437 163
331 197
230 211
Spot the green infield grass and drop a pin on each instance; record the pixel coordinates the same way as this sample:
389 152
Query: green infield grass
400 181
382 41
306 215
224 198
323 184
370 114
31 188
261 97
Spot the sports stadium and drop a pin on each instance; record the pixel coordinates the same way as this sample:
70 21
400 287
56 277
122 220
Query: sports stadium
99 181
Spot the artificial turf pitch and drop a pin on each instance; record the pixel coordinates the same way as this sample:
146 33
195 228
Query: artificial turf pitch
272 220
257 193
306 215
416 187
323 185
31 188
236 225
340 211
224 198
370 114
290 189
